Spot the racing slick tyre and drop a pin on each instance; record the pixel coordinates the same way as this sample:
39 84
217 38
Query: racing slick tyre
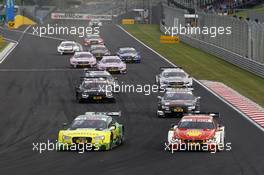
122 139
79 98
111 144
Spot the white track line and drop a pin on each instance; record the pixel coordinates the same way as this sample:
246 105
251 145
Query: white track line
41 70
197 81
28 33
13 47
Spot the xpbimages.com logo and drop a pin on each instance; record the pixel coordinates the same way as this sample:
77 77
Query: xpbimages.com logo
188 30
146 89
41 147
80 31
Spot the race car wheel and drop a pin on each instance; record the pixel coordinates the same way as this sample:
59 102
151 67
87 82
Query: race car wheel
123 136
78 98
111 142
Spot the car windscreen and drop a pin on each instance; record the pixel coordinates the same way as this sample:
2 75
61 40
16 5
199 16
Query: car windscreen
178 96
102 49
111 61
128 51
94 85
89 124
195 125
174 74
93 37
83 55
98 75
67 44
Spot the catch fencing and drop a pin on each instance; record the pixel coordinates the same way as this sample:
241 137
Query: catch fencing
244 47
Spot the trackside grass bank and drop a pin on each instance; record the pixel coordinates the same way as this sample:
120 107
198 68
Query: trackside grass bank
244 13
2 46
201 65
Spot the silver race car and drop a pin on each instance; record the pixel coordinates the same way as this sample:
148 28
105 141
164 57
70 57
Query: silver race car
173 77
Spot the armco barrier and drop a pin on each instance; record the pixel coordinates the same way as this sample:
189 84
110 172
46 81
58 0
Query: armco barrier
238 60
243 48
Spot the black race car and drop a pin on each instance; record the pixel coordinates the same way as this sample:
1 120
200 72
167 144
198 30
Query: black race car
177 102
99 51
94 90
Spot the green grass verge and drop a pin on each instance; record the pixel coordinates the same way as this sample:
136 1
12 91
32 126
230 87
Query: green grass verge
201 65
2 45
244 13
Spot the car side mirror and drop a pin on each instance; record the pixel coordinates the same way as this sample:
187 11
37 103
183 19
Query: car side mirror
159 97
113 127
173 126
65 125
198 98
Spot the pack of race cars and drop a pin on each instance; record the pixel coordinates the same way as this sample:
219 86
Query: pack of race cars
101 131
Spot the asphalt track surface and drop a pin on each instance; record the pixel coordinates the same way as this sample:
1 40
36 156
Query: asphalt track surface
37 96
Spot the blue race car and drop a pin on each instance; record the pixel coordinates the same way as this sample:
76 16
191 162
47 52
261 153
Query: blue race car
129 55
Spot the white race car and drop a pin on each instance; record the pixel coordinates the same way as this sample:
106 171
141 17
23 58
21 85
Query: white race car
69 47
95 23
173 77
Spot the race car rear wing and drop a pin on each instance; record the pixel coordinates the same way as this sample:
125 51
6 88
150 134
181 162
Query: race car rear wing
176 67
93 77
179 89
112 114
212 114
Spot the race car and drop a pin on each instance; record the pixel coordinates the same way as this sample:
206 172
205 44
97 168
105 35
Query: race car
99 50
100 74
69 47
173 77
112 64
83 59
95 23
94 130
129 55
177 102
94 90
197 132
93 39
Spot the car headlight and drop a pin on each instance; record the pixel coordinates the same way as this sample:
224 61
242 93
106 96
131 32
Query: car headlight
64 137
99 138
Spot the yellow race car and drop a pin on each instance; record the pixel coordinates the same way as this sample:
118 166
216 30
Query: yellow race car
92 131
